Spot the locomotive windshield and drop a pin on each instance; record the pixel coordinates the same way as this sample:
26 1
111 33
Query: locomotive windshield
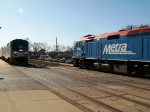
79 44
19 45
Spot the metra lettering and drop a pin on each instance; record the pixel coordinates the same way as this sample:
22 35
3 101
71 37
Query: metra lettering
116 49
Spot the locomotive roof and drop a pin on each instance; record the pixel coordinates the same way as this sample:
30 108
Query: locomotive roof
120 32
19 40
13 41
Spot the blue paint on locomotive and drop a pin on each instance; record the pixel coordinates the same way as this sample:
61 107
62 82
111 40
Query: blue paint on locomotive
78 50
134 48
123 51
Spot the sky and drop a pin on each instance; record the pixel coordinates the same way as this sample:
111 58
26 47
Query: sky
68 20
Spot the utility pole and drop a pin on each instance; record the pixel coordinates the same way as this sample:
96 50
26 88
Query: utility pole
56 46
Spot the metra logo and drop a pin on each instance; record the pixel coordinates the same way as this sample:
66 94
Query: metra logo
116 49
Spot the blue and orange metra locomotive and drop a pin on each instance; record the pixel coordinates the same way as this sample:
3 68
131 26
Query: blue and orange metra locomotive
126 51
15 52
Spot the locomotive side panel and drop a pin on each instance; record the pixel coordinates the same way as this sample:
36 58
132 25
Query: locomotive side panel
125 55
114 49
145 49
5 52
90 50
98 50
123 49
1 53
135 47
148 48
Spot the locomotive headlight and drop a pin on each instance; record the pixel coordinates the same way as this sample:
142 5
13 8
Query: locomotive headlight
15 54
26 54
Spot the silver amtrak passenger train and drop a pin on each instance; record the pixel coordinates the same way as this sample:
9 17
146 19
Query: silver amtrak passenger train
15 52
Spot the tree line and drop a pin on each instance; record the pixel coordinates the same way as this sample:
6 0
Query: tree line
130 27
37 49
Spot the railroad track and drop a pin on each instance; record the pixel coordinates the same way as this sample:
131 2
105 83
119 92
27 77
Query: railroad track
116 80
89 95
124 80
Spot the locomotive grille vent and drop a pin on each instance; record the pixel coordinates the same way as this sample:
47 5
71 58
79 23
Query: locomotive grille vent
111 37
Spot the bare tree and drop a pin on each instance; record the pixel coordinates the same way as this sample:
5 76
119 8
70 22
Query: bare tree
143 25
36 46
69 49
46 47
52 48
62 48
130 27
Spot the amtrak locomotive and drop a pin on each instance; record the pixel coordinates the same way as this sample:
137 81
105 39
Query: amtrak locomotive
15 52
126 51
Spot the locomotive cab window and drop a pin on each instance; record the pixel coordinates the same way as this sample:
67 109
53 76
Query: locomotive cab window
79 44
76 44
19 45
